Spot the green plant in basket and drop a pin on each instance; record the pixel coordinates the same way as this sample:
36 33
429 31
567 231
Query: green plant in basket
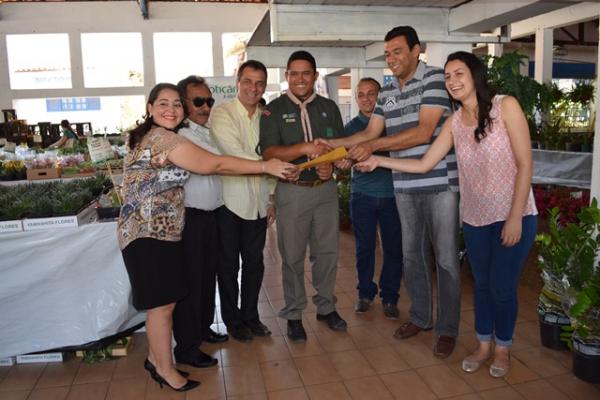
553 249
583 274
102 354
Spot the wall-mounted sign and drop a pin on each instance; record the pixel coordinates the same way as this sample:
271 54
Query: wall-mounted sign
73 104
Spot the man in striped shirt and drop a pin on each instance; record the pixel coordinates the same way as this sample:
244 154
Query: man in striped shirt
412 109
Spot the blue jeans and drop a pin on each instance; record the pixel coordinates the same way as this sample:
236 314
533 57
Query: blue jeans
366 212
496 270
430 221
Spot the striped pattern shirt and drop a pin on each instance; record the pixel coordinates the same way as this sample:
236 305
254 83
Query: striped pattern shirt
400 106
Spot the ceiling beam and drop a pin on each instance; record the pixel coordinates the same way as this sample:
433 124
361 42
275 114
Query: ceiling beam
327 57
338 24
484 15
556 19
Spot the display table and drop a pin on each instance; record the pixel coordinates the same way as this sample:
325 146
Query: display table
563 168
62 287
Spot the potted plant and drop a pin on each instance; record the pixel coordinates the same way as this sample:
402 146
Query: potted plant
553 248
537 100
582 286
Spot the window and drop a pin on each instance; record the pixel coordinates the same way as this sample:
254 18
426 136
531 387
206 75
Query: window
39 61
234 50
107 114
112 59
179 54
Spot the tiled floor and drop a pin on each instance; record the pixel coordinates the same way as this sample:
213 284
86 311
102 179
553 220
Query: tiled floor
363 363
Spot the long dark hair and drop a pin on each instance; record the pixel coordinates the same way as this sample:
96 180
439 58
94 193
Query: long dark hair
483 90
137 134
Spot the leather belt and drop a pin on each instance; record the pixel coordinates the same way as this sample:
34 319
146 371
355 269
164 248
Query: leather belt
315 183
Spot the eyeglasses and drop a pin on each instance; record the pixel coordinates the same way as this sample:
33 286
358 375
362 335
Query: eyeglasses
200 101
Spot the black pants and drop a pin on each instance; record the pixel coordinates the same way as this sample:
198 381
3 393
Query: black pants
245 238
194 314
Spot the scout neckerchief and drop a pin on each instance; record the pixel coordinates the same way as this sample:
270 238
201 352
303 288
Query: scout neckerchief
304 118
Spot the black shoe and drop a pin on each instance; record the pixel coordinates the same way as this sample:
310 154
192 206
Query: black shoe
198 360
295 330
258 328
189 383
240 333
216 337
333 320
390 311
148 366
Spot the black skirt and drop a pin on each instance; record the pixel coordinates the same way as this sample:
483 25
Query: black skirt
156 272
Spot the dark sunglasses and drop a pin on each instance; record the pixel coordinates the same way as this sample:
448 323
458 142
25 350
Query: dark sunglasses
200 101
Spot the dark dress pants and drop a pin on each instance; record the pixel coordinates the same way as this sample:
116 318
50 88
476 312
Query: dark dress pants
194 315
245 238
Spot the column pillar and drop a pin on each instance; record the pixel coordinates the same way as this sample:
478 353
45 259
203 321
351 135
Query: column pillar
544 40
5 94
148 59
76 60
437 53
495 49
217 50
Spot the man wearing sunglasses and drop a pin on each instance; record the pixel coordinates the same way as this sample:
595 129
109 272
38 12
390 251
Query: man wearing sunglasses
194 315
248 211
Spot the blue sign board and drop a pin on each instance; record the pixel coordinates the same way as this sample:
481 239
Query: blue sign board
73 104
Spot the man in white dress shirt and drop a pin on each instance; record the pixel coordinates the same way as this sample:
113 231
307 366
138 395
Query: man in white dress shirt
194 315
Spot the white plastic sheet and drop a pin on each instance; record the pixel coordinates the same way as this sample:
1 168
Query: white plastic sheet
562 168
62 287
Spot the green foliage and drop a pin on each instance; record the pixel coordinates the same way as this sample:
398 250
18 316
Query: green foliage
504 76
342 177
78 148
583 92
572 252
102 354
49 199
537 100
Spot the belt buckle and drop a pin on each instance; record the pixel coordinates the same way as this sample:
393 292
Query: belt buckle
317 182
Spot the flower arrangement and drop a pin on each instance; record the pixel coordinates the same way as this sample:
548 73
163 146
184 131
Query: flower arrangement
12 170
72 160
568 201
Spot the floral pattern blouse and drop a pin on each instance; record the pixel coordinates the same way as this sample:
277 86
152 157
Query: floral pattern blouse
152 190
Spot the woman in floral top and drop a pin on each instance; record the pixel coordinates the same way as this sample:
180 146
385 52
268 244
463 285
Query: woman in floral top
152 216
490 135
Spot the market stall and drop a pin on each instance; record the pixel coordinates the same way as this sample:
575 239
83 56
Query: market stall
563 168
62 287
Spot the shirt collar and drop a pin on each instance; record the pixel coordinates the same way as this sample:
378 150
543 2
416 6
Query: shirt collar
242 110
196 127
363 117
417 76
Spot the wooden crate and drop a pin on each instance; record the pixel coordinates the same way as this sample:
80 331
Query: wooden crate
43 173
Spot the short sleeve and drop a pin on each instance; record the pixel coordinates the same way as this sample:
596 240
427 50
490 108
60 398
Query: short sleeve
160 142
434 90
379 104
338 124
270 134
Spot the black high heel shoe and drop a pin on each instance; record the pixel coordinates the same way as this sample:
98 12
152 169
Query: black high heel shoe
148 366
189 383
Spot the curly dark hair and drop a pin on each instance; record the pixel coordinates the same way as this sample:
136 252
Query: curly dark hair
483 90
137 134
